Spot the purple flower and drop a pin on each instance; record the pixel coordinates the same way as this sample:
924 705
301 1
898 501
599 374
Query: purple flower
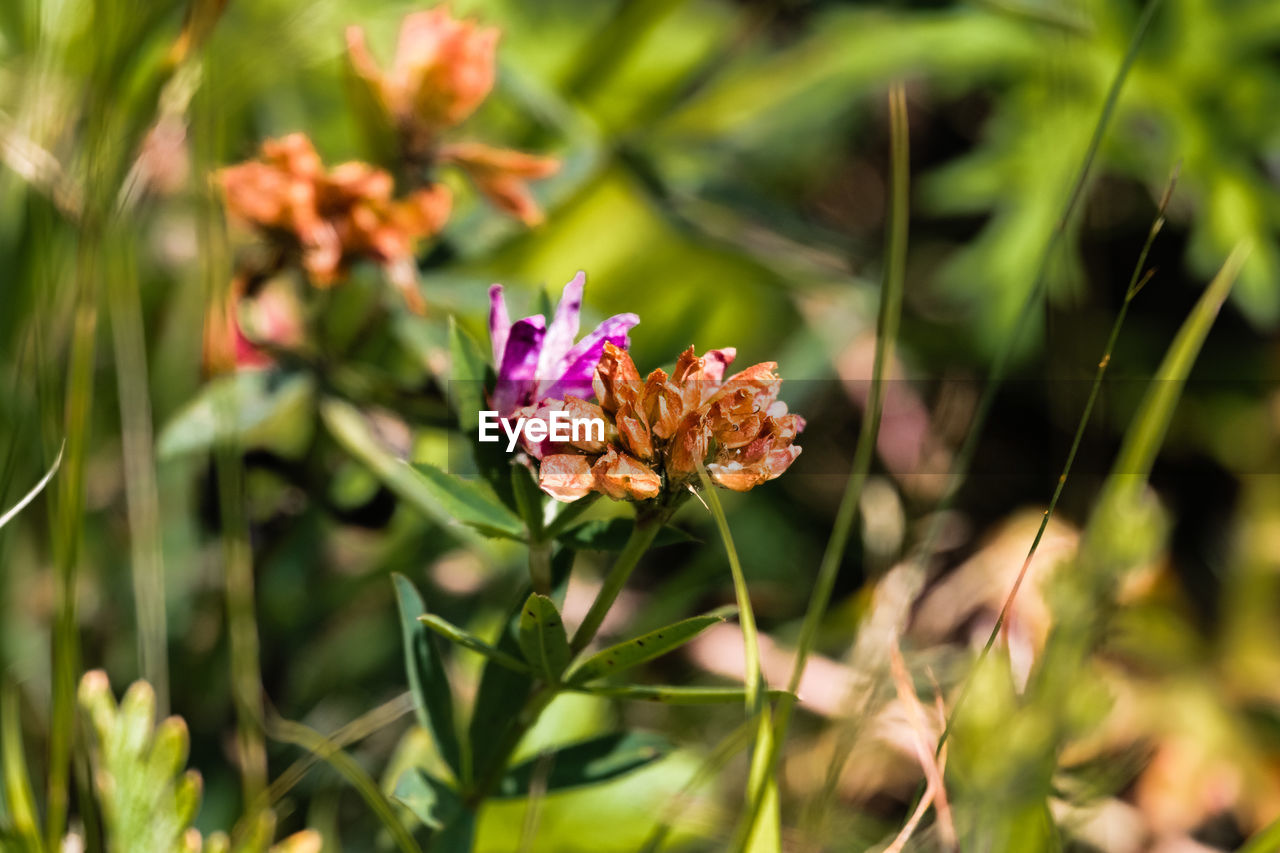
536 361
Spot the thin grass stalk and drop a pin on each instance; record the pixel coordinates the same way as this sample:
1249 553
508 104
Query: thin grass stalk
355 775
1000 365
887 323
68 540
1137 281
141 492
242 628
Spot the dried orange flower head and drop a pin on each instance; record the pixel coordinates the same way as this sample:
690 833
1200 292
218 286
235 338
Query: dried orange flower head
662 427
331 219
443 69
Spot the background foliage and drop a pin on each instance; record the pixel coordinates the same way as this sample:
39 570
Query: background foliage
725 176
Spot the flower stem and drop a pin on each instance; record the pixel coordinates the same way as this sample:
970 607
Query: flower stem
642 535
540 566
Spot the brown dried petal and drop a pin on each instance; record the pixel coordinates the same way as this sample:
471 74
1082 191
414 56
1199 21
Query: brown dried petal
614 372
622 477
566 476
688 447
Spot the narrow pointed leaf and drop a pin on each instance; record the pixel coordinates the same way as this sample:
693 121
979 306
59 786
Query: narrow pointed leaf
432 696
623 656
1143 439
19 800
612 535
528 498
471 375
542 637
439 496
500 688
470 370
471 503
470 641
589 762
671 695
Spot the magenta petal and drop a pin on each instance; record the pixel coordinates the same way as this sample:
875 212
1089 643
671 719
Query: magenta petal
519 364
580 362
563 328
499 323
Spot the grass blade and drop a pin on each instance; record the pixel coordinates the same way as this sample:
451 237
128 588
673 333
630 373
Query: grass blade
353 773
589 762
13 511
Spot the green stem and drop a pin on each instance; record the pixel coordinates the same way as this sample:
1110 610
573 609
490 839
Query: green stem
642 535
242 627
142 497
66 641
540 566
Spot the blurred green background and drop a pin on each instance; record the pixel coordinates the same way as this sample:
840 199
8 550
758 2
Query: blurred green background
725 173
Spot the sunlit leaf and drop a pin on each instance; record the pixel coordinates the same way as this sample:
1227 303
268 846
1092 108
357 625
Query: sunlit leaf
440 496
432 695
542 637
470 641
623 656
590 762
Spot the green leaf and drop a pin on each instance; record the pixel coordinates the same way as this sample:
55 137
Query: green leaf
542 637
256 408
444 498
470 641
623 656
612 535
471 503
431 800
147 800
500 688
589 762
352 772
673 695
471 376
470 373
528 498
19 801
432 696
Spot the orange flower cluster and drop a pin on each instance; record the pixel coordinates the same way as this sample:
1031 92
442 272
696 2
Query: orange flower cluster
333 218
325 220
442 71
660 429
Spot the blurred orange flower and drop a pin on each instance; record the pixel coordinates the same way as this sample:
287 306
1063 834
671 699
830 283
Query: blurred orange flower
442 71
330 219
660 429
